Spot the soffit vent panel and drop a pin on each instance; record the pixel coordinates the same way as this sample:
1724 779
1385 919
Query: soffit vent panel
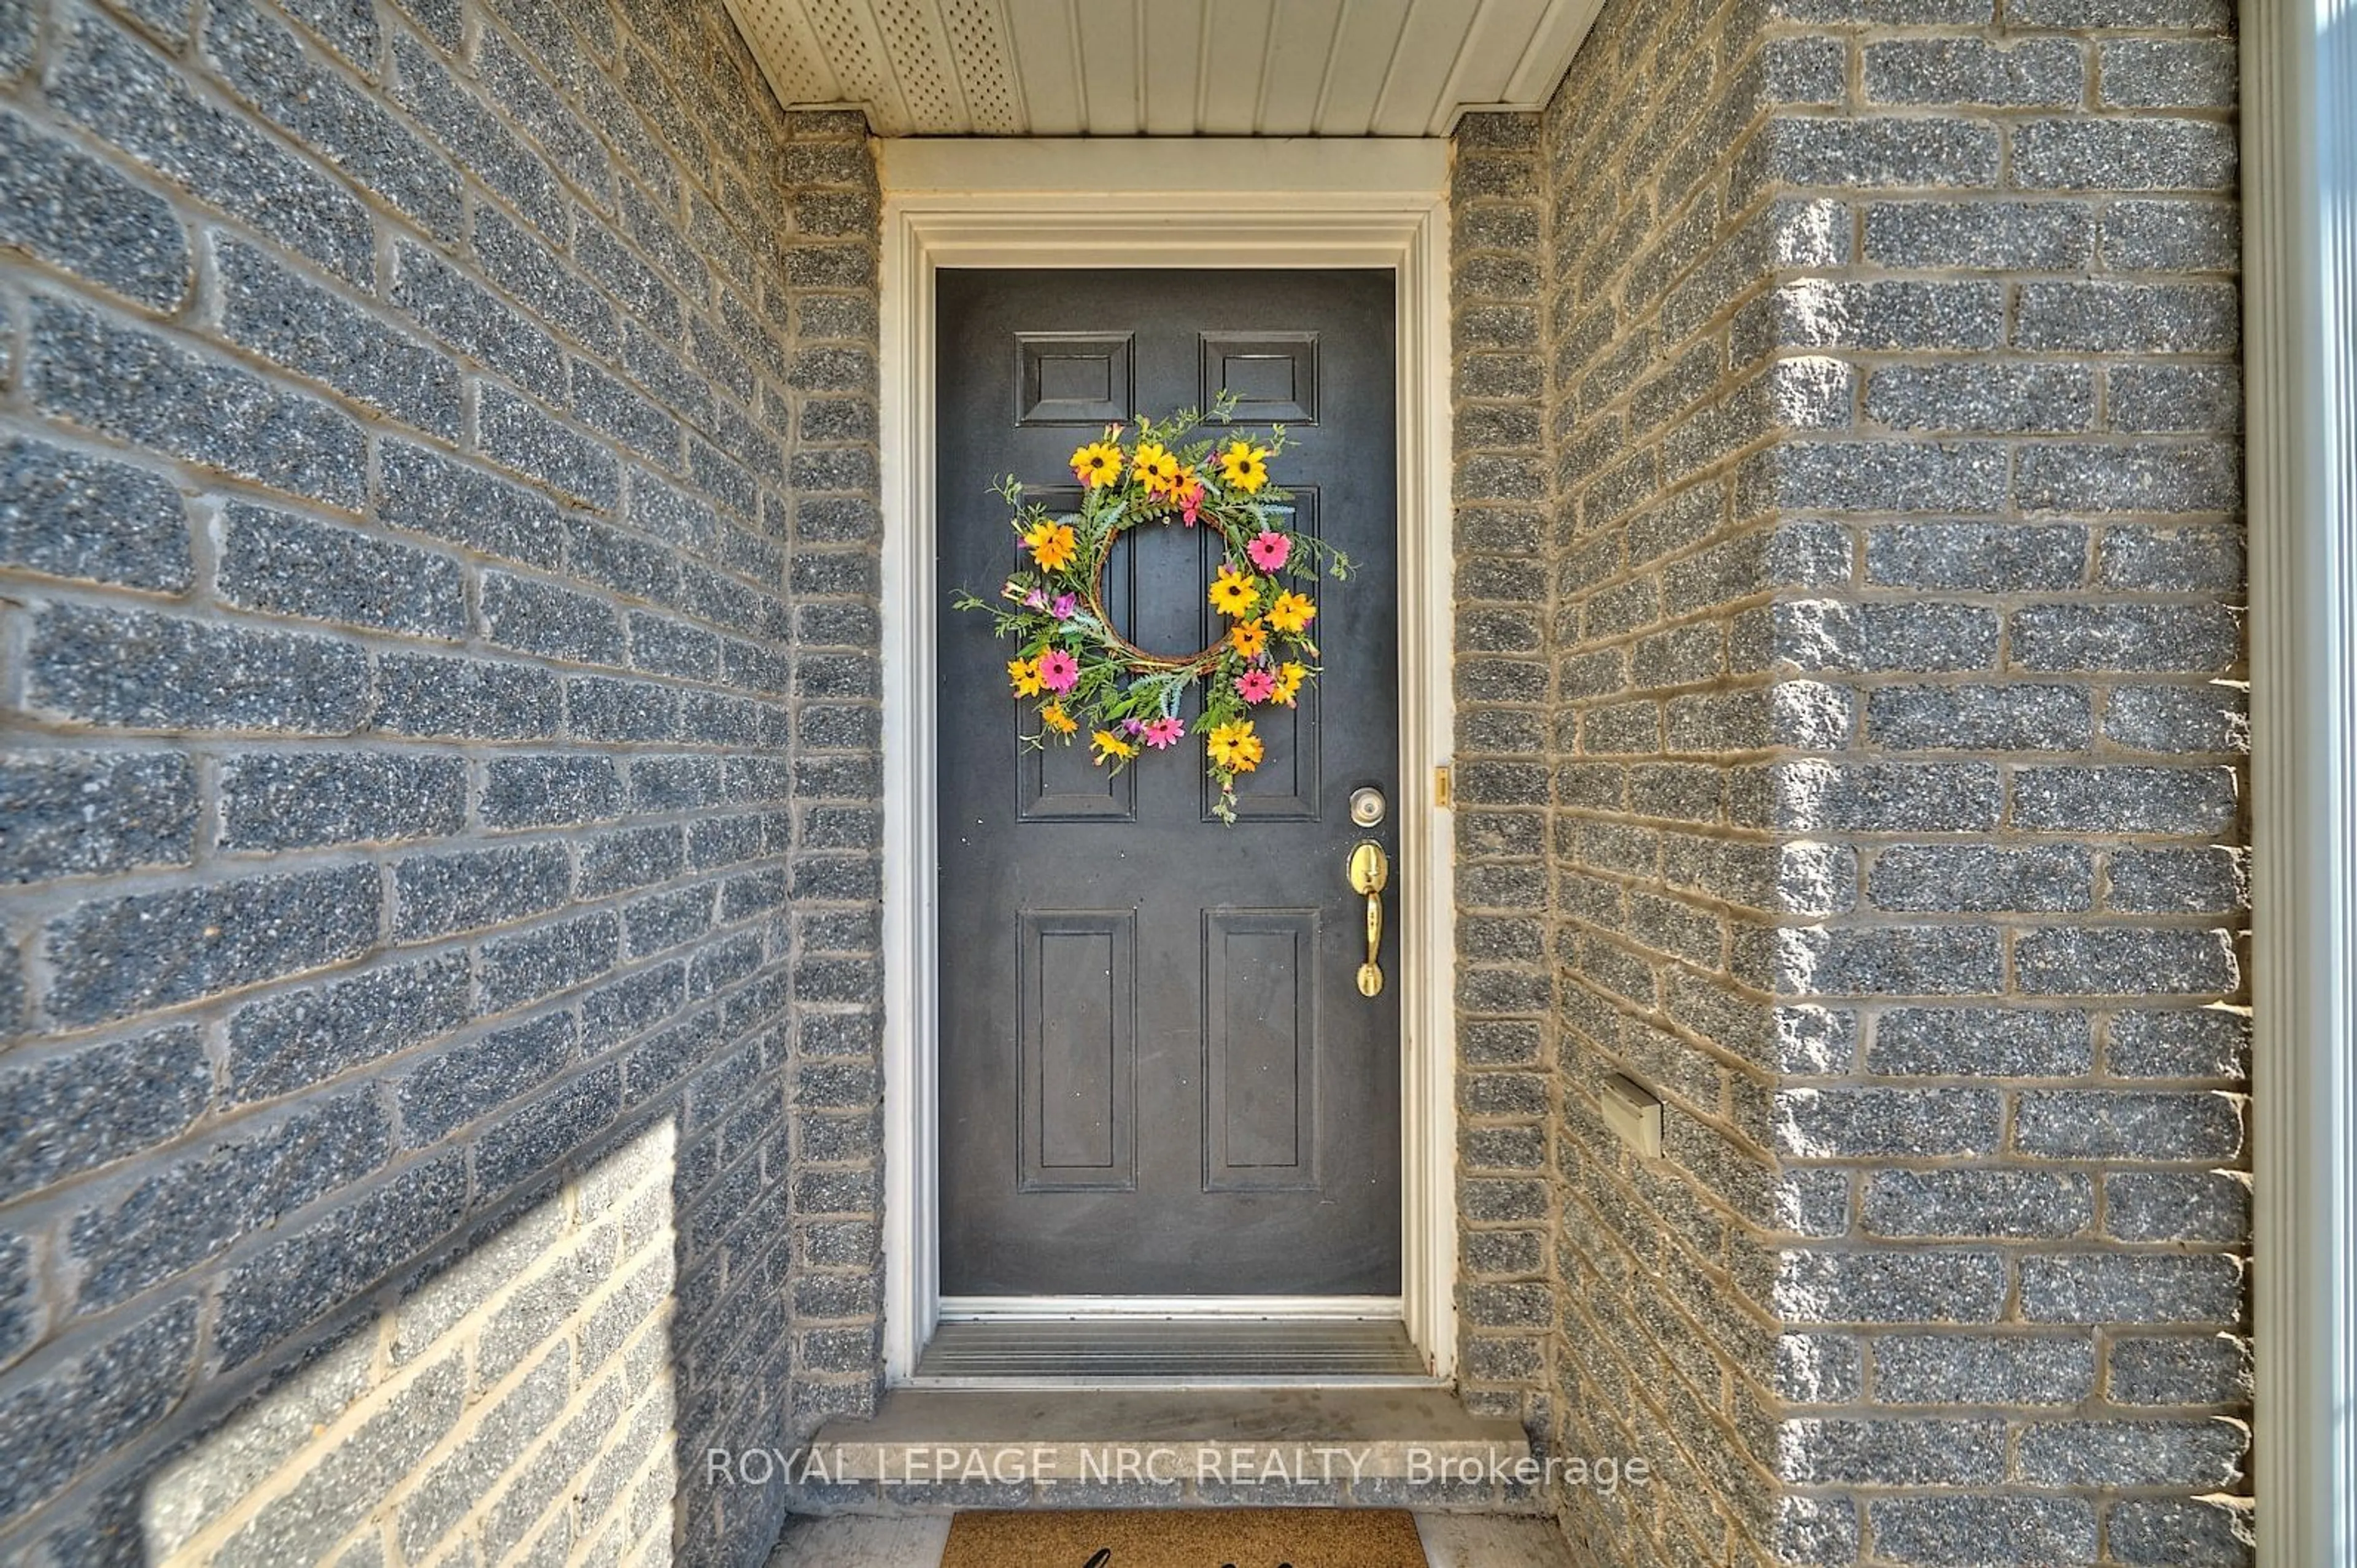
1163 68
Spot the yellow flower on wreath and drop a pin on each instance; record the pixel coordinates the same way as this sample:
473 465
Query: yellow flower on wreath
1111 747
1289 676
1292 612
1097 464
1051 545
1053 716
1155 468
1245 465
1024 673
1249 637
1233 593
1235 748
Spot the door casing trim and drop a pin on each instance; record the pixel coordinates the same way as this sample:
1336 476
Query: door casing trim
2299 300
1108 203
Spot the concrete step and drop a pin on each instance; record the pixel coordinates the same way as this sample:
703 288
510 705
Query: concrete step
933 1449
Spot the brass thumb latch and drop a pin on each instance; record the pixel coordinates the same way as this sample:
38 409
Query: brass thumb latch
1371 872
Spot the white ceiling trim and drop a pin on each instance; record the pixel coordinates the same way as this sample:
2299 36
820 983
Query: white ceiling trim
1410 173
1163 68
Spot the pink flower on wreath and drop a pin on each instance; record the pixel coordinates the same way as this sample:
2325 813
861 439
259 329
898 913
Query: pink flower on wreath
1255 685
1190 502
1133 726
1162 734
1058 671
1034 600
1064 606
1268 552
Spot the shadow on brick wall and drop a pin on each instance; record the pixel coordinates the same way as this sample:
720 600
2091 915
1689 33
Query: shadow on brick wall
518 1401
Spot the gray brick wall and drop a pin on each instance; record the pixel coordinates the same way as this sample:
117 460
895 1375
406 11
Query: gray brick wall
437 717
1851 736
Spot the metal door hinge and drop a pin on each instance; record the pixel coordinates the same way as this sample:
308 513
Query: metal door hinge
1444 794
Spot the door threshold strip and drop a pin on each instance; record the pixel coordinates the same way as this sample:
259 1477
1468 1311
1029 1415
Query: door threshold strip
1169 1308
1116 1353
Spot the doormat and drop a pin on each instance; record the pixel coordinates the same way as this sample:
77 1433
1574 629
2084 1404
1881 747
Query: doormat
1196 1538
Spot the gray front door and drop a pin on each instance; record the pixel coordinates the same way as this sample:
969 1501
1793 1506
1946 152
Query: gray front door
1158 1074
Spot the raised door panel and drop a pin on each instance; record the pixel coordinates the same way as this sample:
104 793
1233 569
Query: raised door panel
1273 376
1079 1030
1073 377
1260 1045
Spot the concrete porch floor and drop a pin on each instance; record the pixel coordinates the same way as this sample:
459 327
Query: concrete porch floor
1450 1541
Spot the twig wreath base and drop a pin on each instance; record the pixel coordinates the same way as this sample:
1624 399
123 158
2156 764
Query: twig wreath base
1075 664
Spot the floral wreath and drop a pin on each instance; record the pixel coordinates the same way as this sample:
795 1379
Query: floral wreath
1086 675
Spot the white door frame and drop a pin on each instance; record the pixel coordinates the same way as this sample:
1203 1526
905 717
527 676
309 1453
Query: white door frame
1188 203
2299 164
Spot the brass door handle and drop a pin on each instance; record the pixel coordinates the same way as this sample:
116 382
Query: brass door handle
1371 872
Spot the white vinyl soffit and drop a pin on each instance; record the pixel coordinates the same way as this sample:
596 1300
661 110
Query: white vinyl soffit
1163 68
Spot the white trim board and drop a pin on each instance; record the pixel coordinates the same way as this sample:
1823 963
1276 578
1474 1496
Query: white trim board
1114 204
2299 147
1392 175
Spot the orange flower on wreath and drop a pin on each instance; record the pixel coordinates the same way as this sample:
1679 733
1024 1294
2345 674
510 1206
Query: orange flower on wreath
1248 637
1234 747
1051 545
